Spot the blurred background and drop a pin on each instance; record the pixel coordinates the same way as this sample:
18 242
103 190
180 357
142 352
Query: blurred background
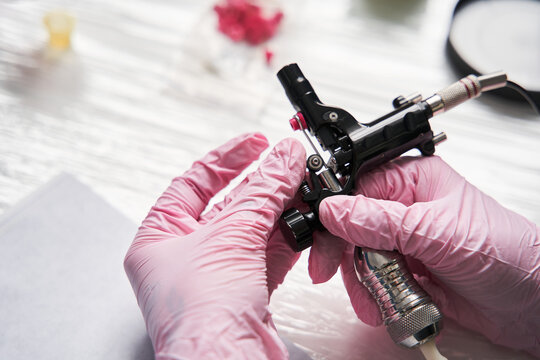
146 88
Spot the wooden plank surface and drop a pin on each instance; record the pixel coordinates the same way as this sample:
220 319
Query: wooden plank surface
149 87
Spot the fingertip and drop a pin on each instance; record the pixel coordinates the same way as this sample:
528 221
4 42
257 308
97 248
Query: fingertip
258 139
291 156
333 213
254 143
293 149
325 256
296 146
368 311
436 293
317 271
280 259
326 206
234 155
362 301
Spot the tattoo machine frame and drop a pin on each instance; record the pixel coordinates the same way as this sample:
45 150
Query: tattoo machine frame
408 313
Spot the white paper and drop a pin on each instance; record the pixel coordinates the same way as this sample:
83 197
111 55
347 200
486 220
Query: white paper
64 292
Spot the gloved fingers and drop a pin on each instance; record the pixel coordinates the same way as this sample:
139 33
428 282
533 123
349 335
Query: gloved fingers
409 179
436 293
363 221
417 268
362 301
217 208
395 180
280 258
325 256
417 230
261 201
178 209
205 218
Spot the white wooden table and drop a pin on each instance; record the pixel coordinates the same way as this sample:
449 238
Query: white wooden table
131 106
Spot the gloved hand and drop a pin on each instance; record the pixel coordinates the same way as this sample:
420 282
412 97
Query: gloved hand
479 261
203 281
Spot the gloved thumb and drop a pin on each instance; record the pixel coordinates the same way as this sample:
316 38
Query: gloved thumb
378 224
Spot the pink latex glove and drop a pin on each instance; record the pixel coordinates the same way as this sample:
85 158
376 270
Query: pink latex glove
479 261
203 281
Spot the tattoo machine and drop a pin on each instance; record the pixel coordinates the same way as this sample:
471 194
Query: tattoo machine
352 148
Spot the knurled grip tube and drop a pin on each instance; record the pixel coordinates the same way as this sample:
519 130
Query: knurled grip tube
464 89
460 91
410 317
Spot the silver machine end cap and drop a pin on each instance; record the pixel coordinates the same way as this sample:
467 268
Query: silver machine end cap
422 324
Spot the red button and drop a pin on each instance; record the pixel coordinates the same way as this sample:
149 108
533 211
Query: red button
298 120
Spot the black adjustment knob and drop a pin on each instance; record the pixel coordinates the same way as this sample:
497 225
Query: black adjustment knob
297 228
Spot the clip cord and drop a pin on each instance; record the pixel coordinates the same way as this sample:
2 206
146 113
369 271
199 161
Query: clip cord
525 94
463 67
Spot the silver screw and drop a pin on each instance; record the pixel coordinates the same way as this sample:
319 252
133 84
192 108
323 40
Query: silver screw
315 162
439 138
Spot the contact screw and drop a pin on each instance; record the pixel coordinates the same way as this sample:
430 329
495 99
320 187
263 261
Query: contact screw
410 317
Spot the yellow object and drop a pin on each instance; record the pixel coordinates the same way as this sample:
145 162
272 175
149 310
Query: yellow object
60 25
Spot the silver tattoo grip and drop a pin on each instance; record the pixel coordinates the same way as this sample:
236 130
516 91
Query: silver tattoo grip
408 313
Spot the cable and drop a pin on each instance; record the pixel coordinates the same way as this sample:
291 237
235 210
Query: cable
520 90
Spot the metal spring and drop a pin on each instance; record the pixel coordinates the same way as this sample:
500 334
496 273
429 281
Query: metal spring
304 188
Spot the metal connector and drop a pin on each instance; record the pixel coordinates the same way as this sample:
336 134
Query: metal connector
492 81
465 89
